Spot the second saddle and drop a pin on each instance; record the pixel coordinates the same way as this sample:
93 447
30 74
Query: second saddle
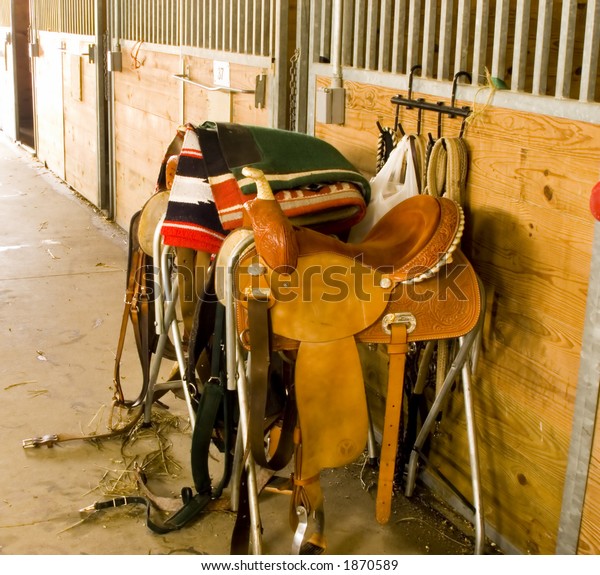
315 297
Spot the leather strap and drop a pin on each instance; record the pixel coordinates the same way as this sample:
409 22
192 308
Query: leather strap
130 302
193 507
393 408
258 321
213 397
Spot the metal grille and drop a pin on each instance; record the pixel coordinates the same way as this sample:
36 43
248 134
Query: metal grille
153 21
66 16
241 26
539 47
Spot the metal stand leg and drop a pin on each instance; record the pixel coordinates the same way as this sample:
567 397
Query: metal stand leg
474 460
460 364
236 380
165 305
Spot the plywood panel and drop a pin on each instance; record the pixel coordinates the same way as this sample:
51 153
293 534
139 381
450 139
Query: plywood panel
150 103
146 112
528 235
48 82
80 121
7 86
243 109
141 141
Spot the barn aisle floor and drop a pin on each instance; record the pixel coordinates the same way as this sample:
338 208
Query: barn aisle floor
62 281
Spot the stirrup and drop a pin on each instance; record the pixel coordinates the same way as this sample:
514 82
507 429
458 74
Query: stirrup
300 530
315 544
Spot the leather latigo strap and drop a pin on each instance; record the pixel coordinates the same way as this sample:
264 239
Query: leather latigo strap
391 425
258 316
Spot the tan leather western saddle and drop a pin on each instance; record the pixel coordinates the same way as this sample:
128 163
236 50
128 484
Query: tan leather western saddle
408 281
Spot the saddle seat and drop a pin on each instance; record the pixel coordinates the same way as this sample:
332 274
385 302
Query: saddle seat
408 244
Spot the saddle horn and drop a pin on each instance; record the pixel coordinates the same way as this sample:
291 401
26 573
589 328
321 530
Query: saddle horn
274 235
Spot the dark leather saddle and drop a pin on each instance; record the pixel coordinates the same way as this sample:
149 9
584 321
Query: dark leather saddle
407 281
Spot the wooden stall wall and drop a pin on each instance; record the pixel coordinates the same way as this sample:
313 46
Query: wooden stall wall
7 83
149 105
80 119
528 234
146 116
48 82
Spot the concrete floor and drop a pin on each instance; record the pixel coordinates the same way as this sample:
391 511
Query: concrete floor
62 280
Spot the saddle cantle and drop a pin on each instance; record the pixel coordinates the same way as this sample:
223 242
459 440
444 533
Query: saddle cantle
323 296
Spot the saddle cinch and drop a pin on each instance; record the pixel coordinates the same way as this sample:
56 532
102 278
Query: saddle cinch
315 297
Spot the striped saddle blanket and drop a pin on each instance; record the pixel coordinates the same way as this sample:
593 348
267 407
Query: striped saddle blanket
314 183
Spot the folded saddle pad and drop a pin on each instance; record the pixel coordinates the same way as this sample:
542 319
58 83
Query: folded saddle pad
315 184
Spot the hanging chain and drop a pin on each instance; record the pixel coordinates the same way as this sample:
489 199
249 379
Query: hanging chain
293 87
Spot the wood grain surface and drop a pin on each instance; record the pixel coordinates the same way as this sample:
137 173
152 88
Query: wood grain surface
528 234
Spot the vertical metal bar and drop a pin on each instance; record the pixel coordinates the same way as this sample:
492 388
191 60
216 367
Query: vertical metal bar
203 23
226 24
325 38
542 47
429 37
236 26
247 26
303 28
565 48
519 64
184 22
266 36
385 35
106 191
372 33
360 16
473 459
500 39
446 28
233 20
482 15
399 36
336 43
347 33
217 16
196 23
461 51
414 28
137 18
239 22
211 24
256 27
273 27
589 65
584 416
279 105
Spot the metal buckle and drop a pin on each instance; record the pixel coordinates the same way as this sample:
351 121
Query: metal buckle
404 317
48 440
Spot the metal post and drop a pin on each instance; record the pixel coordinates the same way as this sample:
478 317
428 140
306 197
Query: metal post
336 43
584 417
105 198
236 379
473 459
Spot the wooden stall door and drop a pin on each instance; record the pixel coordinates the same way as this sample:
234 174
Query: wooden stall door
80 119
48 84
7 85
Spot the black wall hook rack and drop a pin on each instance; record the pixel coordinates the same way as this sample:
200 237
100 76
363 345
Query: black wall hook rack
440 108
